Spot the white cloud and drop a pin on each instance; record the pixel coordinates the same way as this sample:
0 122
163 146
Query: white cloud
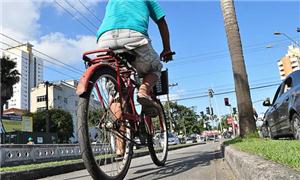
69 50
20 20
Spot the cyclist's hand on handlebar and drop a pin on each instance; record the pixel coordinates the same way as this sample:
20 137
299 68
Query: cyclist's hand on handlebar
166 56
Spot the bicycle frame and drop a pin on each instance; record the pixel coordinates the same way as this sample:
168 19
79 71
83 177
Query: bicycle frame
110 60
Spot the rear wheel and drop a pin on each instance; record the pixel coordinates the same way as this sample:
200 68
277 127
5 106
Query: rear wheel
98 131
158 139
296 126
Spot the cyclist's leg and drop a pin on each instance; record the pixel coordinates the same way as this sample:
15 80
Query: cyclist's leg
149 67
111 39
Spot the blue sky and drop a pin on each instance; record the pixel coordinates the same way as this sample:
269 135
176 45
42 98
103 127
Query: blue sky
197 35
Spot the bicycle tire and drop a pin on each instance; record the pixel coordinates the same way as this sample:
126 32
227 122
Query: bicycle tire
151 144
84 138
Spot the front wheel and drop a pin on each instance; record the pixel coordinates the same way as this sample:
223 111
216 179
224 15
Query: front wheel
158 138
296 126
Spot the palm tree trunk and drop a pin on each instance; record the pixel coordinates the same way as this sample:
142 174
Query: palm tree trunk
245 109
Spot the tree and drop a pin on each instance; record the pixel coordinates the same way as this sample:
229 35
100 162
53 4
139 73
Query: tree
247 122
185 119
9 77
94 117
60 122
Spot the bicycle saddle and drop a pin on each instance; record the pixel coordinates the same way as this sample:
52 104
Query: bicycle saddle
125 54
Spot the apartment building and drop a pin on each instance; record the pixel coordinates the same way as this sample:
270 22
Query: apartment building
290 62
31 69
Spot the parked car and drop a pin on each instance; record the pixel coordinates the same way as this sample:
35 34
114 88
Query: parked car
190 140
282 118
172 139
201 139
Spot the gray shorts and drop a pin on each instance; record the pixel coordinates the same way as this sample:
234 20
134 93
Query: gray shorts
147 60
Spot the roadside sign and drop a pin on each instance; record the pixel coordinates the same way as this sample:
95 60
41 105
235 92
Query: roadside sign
229 120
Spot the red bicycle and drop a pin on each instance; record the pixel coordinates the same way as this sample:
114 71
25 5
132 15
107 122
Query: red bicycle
110 78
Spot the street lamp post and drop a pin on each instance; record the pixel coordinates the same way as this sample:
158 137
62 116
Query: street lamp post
285 35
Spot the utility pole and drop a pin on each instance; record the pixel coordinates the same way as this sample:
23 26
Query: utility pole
47 109
168 104
169 112
210 96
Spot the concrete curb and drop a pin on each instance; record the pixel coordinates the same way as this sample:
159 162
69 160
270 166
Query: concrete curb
251 167
55 170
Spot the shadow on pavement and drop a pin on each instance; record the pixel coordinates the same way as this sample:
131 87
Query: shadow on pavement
177 165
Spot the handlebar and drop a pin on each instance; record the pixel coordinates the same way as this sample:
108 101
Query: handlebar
170 54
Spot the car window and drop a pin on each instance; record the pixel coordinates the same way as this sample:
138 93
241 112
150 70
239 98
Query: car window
170 135
288 83
277 94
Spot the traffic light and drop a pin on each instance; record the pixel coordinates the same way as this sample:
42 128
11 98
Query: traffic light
210 93
207 110
226 101
202 114
212 111
234 110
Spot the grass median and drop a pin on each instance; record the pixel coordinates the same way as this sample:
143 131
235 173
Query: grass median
67 162
285 152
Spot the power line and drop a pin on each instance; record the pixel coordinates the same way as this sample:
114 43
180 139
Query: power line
216 72
225 89
222 93
91 23
71 68
231 85
45 65
213 57
225 52
76 18
40 58
89 10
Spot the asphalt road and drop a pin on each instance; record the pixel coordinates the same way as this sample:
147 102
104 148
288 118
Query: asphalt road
196 162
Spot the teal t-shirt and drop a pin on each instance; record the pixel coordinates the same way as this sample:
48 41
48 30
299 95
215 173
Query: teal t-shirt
130 14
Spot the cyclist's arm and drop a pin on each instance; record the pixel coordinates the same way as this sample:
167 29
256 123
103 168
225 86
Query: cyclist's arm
165 36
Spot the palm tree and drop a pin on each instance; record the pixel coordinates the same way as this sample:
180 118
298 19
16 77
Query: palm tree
246 118
9 77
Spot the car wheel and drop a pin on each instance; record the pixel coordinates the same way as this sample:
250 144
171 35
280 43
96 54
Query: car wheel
271 134
296 126
265 131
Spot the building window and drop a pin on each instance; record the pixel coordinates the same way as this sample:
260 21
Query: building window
41 98
66 100
40 109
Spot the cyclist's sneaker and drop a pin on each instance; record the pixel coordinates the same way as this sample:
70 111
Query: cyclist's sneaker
149 106
150 111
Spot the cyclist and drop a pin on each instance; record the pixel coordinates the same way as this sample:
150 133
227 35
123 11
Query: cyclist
125 26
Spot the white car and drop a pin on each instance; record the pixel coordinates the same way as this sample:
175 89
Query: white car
172 139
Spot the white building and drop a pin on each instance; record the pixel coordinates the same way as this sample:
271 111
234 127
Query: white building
61 95
31 69
290 62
